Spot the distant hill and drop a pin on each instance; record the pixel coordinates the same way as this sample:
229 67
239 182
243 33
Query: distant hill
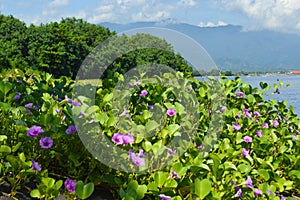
234 49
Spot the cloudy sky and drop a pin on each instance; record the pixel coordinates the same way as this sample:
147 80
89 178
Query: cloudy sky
278 15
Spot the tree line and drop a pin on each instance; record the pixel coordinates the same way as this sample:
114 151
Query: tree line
60 48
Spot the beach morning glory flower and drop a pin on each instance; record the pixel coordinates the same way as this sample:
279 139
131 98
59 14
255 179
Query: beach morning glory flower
236 126
150 107
125 113
257 114
245 152
282 197
117 138
239 192
171 152
258 133
297 131
257 192
238 115
141 153
143 93
164 197
71 129
35 131
171 112
223 109
137 160
127 139
28 105
174 175
46 142
247 139
294 137
240 94
35 166
17 96
265 125
247 113
275 123
248 182
70 185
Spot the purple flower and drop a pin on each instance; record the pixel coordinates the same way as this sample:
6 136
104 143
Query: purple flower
70 185
138 83
117 138
247 114
171 112
248 182
236 126
248 139
223 109
171 152
258 133
294 137
257 192
239 192
70 101
282 197
137 160
245 152
279 117
240 94
171 100
17 96
35 131
238 115
124 139
71 129
174 175
141 153
35 166
28 105
125 113
291 128
265 125
257 114
297 131
275 123
150 107
164 197
46 142
127 139
143 93
82 113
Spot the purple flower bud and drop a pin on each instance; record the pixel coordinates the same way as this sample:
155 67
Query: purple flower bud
245 152
275 123
164 197
137 160
71 129
35 166
257 192
265 125
17 96
28 105
257 114
240 94
223 109
248 182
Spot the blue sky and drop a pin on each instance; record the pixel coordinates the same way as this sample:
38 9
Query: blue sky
278 15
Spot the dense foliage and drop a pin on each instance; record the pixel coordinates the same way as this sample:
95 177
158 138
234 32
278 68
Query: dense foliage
59 48
256 154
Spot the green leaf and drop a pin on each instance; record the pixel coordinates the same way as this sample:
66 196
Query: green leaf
3 137
58 184
102 117
35 193
140 191
202 187
5 149
160 178
84 191
151 125
264 173
107 97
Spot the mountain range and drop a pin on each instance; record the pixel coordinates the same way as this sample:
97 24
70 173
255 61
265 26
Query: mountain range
234 49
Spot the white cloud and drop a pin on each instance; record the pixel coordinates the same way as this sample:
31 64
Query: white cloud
279 15
58 3
211 24
187 3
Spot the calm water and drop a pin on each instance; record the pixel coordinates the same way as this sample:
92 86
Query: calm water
291 94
